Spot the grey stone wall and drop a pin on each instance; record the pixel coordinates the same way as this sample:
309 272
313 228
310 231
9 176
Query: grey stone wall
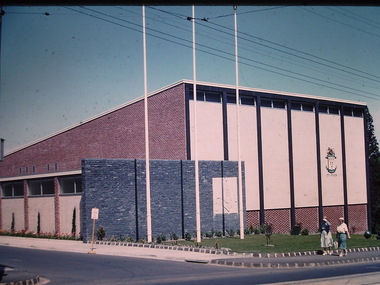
118 189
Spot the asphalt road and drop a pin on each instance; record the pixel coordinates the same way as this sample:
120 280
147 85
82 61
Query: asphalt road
78 268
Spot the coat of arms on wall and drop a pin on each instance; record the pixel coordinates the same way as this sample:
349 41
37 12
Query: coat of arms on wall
331 167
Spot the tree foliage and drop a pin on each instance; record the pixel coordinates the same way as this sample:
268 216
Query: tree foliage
374 173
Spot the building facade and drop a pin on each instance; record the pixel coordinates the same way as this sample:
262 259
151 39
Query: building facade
304 156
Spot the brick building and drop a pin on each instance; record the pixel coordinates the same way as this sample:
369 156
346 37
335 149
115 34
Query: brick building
304 156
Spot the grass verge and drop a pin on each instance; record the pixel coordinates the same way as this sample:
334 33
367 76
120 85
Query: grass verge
280 243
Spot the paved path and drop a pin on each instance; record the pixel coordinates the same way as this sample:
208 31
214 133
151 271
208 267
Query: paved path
177 253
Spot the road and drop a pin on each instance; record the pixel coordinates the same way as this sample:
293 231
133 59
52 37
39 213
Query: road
78 268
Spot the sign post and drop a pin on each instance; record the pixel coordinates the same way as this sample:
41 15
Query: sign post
94 217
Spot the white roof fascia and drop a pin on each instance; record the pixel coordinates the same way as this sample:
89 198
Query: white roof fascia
42 175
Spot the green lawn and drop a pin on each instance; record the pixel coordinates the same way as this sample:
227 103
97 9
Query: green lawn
280 243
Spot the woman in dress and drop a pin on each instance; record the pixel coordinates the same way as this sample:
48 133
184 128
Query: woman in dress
326 238
342 235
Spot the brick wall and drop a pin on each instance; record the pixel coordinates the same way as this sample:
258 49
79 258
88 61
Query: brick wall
117 188
279 218
117 134
308 217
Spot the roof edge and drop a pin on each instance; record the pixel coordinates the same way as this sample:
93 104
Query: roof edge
182 81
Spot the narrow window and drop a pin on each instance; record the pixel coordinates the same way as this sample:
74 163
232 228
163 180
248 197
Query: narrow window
333 110
247 100
323 109
231 99
213 97
280 104
296 106
307 107
348 111
266 102
358 113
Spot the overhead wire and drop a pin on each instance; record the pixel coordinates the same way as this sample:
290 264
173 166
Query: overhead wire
339 22
226 55
360 19
343 86
228 42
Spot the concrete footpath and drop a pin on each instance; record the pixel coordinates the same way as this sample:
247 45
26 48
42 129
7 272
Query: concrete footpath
181 254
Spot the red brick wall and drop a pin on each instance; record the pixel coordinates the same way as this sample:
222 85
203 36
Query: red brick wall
280 220
119 134
357 218
167 124
253 218
308 217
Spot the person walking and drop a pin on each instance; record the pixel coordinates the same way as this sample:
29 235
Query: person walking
326 237
342 234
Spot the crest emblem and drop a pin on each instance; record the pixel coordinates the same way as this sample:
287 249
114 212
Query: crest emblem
331 167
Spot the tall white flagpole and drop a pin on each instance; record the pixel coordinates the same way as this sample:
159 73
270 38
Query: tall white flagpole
241 208
197 195
147 164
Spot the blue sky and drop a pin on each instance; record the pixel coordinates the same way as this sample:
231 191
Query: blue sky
77 62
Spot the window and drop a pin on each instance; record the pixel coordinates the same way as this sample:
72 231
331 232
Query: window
348 111
266 103
296 106
231 99
323 109
71 185
41 187
280 104
308 107
357 113
247 100
244 100
213 97
333 110
329 109
14 189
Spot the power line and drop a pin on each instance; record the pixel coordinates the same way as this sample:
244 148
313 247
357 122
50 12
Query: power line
226 55
302 57
377 24
285 47
356 17
342 23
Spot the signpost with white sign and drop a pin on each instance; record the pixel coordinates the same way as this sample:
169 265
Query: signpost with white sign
94 217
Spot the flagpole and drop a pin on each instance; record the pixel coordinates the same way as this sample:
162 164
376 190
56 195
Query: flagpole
197 194
241 208
147 164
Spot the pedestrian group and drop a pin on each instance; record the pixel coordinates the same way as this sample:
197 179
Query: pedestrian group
327 242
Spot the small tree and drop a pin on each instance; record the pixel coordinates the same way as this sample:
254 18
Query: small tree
101 233
73 224
13 223
268 232
374 172
38 223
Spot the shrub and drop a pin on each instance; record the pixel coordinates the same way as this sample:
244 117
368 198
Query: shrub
13 223
73 223
38 223
187 236
296 230
230 232
174 236
101 233
305 232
